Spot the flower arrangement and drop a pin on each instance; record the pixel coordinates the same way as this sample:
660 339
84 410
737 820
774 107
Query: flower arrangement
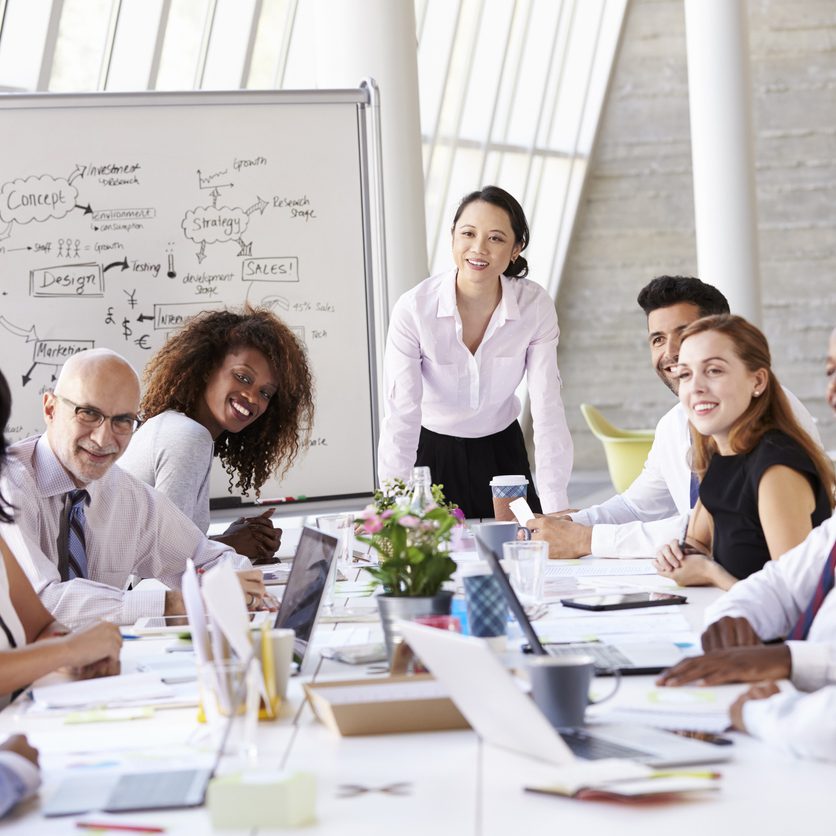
413 548
395 491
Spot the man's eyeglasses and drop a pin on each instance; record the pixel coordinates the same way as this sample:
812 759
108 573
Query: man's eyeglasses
92 417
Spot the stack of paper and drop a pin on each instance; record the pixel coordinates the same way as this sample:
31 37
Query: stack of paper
126 690
695 709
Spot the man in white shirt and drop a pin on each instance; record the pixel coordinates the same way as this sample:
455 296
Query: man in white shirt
654 509
762 608
89 525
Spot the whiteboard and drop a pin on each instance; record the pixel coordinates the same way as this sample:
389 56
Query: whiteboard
123 215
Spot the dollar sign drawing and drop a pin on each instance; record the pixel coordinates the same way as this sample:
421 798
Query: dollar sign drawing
126 329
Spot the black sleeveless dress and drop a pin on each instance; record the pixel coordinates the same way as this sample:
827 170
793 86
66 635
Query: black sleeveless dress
729 491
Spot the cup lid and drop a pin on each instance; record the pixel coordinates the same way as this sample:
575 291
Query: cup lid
517 479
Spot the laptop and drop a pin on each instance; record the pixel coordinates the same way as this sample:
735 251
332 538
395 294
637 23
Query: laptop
300 605
502 714
169 789
628 658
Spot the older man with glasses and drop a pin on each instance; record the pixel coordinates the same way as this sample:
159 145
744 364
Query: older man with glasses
89 525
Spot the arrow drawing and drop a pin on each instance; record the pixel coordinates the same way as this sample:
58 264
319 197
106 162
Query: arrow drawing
259 206
246 249
123 264
7 231
87 209
143 317
78 171
28 376
201 253
30 335
214 194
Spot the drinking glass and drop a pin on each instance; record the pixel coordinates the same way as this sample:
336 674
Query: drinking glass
525 561
342 527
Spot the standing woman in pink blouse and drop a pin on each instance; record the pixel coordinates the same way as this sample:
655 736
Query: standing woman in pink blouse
458 346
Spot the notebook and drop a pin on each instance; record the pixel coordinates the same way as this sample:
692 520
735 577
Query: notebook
628 658
502 714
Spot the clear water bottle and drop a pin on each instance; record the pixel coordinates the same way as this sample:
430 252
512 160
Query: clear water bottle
421 500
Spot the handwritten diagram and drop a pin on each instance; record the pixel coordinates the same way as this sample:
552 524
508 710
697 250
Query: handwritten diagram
127 216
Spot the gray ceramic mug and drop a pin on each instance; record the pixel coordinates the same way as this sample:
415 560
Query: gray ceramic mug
560 688
493 534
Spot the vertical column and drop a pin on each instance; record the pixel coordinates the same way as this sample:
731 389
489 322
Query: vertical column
377 38
722 148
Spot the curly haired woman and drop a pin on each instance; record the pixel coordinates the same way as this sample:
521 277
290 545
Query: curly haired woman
234 385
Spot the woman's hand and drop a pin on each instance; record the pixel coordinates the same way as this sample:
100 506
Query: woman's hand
669 558
761 691
255 592
693 570
254 537
18 744
94 651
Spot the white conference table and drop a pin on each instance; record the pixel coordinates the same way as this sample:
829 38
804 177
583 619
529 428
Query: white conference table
456 785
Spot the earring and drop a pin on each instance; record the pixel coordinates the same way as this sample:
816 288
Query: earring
756 394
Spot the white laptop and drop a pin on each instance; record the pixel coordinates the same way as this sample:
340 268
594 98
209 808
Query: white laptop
502 714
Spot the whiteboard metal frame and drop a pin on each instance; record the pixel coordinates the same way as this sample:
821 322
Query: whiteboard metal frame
367 109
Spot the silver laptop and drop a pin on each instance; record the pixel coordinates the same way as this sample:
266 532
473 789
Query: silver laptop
628 658
509 718
115 792
303 594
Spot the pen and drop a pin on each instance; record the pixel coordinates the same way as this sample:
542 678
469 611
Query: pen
280 499
675 774
682 540
130 828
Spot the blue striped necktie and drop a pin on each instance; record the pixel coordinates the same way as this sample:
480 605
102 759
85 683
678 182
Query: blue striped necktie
695 489
76 546
823 587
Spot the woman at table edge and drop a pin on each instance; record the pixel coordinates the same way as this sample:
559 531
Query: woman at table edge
458 346
236 385
742 429
33 643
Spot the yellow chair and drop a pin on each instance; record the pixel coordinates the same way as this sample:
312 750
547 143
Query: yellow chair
626 450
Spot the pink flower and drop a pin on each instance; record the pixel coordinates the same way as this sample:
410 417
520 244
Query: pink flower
459 514
408 521
372 523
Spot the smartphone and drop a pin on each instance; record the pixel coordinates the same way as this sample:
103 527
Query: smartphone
624 601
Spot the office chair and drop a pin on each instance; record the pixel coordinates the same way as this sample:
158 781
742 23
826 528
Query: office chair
626 450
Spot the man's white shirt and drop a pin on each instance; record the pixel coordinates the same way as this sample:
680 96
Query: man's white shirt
130 529
772 600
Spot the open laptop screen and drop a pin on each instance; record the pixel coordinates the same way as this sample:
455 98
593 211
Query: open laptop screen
513 602
305 585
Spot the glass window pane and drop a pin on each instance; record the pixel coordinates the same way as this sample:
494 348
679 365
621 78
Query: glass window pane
133 45
181 46
80 47
24 32
228 45
270 36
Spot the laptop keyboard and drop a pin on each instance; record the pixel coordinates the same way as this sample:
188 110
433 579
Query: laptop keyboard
592 748
606 656
154 790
